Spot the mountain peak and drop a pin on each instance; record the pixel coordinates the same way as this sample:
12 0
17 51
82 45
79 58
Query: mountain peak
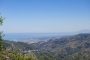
84 31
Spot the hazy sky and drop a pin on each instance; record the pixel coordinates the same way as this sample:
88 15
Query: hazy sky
41 16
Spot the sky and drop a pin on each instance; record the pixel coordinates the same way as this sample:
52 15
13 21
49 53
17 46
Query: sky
45 16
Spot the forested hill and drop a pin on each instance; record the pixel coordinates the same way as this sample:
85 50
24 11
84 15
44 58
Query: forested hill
75 47
70 41
17 46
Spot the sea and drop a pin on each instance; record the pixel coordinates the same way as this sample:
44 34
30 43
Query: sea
12 36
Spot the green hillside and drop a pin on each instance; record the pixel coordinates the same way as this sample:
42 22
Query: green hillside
76 47
68 48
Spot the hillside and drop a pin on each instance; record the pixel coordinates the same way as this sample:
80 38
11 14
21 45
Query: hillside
82 40
17 46
68 48
76 47
17 51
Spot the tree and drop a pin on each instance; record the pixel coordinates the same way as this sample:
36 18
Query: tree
1 21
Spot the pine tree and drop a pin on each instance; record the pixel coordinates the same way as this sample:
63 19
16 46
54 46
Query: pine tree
1 21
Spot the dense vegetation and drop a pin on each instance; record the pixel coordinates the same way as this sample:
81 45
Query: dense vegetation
1 21
16 51
75 47
17 46
12 55
68 48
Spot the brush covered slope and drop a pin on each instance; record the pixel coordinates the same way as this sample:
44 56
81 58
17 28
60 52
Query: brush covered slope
75 47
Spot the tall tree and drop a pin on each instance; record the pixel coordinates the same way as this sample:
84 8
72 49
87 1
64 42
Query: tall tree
1 21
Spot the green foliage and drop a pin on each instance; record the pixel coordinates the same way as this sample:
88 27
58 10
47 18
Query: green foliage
75 47
68 48
18 46
12 55
1 21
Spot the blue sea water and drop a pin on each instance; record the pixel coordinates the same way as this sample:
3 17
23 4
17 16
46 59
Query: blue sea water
12 36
